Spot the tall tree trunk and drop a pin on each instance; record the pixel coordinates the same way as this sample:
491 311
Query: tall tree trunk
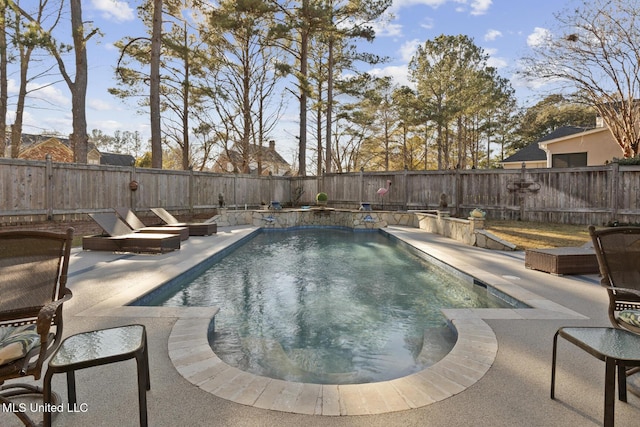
304 54
16 129
186 161
154 89
246 109
3 79
329 115
79 137
319 126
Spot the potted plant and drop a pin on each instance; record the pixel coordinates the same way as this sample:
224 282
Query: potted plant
477 213
321 198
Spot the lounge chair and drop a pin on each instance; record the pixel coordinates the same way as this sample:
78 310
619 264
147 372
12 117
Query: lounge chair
118 236
212 220
33 278
129 218
195 228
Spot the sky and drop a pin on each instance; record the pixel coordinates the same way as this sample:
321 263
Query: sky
504 29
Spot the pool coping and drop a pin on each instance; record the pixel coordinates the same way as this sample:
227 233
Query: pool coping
470 359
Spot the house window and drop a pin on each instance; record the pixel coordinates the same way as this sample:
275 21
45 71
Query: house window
569 160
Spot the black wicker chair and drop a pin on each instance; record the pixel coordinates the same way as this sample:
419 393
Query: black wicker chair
33 277
618 253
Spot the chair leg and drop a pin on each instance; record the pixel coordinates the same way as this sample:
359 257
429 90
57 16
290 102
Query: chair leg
22 416
47 398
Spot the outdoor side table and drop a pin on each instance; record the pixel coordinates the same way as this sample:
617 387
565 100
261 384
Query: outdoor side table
96 348
615 347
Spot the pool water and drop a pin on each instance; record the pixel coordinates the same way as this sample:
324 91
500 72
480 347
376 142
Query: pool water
329 306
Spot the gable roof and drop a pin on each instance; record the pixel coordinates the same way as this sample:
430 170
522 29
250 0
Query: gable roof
116 159
269 154
35 147
533 152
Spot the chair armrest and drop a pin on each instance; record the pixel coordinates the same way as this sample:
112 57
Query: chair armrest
45 316
634 292
43 326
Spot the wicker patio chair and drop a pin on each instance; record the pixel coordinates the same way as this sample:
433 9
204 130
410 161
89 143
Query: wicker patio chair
618 253
33 277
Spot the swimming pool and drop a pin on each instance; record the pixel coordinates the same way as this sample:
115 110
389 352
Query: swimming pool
327 306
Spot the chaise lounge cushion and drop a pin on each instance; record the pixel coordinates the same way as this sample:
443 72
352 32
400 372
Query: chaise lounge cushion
631 317
16 342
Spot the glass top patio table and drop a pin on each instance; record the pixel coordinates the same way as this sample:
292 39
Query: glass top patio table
618 344
84 349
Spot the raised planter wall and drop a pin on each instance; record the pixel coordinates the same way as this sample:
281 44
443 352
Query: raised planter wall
468 231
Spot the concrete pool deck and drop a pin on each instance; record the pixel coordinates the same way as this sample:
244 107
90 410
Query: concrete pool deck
497 374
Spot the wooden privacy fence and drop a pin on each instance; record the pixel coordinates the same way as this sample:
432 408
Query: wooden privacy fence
44 190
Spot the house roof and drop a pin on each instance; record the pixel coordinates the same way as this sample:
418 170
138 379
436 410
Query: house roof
269 155
116 159
533 152
35 147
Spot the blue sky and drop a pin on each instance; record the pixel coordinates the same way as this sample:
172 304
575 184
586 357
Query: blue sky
503 28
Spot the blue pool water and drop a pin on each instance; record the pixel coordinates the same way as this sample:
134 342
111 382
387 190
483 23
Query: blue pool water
328 306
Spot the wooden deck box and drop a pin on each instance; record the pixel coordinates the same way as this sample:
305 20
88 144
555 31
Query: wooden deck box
559 261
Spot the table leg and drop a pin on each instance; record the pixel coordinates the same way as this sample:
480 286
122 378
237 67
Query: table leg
609 391
622 383
144 384
553 365
71 387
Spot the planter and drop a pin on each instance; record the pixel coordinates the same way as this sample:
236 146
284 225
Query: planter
477 213
321 199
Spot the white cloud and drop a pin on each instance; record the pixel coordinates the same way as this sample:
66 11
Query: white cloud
116 10
408 49
387 29
497 62
99 105
480 7
399 74
427 23
492 35
538 37
48 93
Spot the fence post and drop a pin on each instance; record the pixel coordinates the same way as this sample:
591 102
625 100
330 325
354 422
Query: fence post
133 187
191 186
520 192
615 184
49 187
361 190
406 188
235 190
458 190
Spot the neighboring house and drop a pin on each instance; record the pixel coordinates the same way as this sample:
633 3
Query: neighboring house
568 146
115 159
36 147
272 162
